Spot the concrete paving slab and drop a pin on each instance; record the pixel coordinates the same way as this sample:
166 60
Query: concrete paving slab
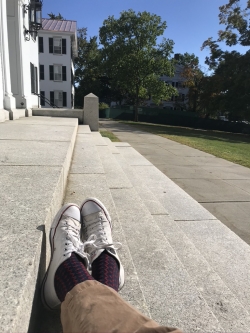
210 160
228 172
145 151
165 278
171 161
84 129
185 172
226 253
115 176
231 314
212 190
240 184
235 215
34 132
187 152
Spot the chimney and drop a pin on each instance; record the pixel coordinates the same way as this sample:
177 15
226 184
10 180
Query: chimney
177 56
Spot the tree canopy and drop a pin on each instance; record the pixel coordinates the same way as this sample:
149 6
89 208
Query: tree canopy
132 59
56 17
229 85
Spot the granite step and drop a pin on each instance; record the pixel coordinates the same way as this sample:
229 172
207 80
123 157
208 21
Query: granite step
35 156
154 275
216 259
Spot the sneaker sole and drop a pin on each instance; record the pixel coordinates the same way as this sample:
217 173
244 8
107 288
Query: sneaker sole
54 224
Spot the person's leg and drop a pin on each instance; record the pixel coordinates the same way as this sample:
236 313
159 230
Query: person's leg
68 262
96 307
96 223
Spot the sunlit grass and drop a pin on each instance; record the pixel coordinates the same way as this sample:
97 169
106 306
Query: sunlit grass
109 135
230 146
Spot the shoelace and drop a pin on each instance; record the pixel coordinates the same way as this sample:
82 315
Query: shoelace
93 242
73 241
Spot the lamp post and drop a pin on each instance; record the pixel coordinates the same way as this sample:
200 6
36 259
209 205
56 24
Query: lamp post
34 10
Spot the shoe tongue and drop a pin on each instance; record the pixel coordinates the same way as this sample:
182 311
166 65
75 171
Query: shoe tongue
91 217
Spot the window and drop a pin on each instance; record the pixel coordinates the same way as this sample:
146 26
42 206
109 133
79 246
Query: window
57 72
57 45
40 44
41 72
33 79
176 84
64 99
42 98
58 98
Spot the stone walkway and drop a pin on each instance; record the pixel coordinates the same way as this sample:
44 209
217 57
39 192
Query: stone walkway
222 187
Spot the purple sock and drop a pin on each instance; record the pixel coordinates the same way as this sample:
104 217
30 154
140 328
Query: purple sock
71 272
105 269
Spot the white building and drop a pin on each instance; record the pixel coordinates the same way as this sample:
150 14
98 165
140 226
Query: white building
19 19
57 50
176 81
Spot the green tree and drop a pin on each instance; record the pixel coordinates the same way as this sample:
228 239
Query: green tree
193 80
229 85
88 70
132 59
237 25
56 17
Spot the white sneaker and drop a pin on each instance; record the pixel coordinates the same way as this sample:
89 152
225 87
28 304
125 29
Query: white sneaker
96 232
64 239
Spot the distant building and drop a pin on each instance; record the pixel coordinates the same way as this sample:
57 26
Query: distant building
19 84
176 81
57 50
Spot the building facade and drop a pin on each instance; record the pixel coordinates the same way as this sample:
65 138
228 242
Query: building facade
177 81
18 57
57 50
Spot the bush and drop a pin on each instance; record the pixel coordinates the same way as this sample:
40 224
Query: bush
103 106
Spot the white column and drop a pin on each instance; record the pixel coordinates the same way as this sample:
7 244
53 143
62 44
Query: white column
8 100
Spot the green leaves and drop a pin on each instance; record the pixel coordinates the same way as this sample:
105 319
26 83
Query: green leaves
132 57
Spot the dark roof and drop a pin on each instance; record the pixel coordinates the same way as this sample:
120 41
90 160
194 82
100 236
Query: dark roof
59 25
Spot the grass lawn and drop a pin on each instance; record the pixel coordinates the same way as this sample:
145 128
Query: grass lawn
109 135
230 146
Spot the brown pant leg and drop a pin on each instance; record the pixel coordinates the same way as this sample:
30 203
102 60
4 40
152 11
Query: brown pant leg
91 307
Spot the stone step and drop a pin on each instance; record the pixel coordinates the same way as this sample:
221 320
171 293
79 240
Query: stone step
212 276
154 275
87 178
35 156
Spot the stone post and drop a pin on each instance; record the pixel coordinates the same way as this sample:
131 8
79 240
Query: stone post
91 112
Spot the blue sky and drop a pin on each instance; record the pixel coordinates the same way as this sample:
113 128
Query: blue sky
189 22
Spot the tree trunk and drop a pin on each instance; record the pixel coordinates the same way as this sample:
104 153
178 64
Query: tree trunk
136 119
